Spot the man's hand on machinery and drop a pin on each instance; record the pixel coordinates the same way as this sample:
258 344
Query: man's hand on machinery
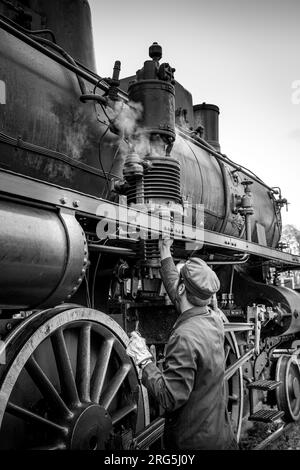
137 349
165 244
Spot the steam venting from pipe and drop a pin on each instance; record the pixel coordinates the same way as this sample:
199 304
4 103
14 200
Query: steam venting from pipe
126 117
125 121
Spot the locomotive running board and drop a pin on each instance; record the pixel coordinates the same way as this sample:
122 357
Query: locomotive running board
14 185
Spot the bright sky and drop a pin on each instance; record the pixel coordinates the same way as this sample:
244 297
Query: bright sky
243 55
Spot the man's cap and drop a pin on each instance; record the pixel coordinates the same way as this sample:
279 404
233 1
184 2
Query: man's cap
199 279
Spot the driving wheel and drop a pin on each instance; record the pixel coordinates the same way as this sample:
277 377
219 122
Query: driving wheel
69 384
288 393
234 392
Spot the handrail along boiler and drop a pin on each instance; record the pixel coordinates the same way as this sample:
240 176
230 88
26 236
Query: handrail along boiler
92 171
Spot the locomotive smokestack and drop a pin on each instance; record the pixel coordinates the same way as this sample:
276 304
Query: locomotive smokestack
207 116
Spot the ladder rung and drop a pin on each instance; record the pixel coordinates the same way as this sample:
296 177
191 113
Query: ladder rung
266 416
264 384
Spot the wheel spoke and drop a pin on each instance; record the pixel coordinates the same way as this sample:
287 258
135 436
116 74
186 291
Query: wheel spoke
46 387
226 352
114 385
33 418
100 371
64 367
120 414
83 371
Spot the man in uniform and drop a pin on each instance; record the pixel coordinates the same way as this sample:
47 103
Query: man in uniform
190 385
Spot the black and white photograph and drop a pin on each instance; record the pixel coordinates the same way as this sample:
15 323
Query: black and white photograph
150 229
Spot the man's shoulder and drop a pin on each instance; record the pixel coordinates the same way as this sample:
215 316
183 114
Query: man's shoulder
189 329
200 324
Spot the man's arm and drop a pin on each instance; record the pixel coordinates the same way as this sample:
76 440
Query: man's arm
173 386
168 271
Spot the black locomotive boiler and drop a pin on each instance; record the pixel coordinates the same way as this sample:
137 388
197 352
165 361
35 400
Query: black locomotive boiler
92 171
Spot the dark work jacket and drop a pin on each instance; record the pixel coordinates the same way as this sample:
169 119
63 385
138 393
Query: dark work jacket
190 385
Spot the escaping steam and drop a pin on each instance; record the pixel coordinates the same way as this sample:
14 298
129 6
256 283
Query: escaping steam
126 117
126 121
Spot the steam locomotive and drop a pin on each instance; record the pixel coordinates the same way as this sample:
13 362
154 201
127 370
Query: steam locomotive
93 171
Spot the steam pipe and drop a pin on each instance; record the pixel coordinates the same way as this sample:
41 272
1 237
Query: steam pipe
92 97
67 57
242 260
248 227
112 250
29 31
86 74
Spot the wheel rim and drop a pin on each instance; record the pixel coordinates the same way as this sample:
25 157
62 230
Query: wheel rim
288 393
71 385
234 386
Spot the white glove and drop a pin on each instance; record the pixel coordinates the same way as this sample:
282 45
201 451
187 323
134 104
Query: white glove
137 348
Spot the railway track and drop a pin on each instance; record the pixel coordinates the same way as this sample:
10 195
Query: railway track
283 436
274 436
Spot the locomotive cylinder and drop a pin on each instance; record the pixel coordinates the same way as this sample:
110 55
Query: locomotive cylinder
161 182
43 256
